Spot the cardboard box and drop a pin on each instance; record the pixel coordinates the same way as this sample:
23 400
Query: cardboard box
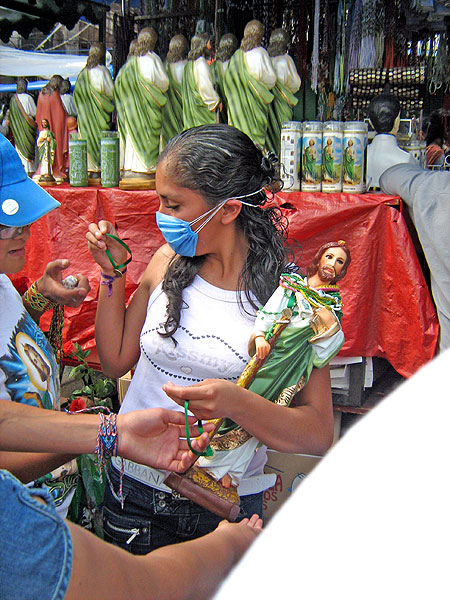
291 470
122 385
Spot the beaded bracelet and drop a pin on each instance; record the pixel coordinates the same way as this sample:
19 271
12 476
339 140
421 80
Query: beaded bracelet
107 443
40 303
36 300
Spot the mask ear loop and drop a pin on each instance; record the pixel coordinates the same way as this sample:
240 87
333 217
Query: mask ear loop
212 213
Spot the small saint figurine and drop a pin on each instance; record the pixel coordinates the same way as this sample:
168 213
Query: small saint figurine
46 143
310 310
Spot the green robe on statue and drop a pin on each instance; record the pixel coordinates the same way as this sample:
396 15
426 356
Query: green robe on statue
94 114
280 111
139 111
247 100
23 128
195 111
293 357
172 122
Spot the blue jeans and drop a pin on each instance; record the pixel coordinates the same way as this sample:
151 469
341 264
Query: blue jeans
35 548
151 518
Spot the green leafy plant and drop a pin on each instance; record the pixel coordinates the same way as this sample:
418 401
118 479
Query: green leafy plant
96 389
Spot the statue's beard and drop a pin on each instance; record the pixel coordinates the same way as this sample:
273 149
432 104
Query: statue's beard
327 275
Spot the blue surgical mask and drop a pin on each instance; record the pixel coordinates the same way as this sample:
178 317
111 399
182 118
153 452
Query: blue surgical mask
179 234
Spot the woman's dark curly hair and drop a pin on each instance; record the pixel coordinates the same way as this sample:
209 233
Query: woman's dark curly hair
220 162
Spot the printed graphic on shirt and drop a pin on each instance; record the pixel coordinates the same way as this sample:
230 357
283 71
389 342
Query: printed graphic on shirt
30 370
205 355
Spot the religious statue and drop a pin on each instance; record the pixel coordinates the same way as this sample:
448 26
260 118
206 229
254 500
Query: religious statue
67 98
22 113
227 47
173 111
69 106
383 152
47 145
93 95
248 82
140 96
288 83
200 99
297 329
51 109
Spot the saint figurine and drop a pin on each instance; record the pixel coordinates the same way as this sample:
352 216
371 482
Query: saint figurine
93 95
22 113
140 96
173 111
296 330
200 99
47 144
248 82
288 83
227 47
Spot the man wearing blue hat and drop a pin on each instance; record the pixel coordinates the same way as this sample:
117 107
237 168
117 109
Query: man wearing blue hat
29 372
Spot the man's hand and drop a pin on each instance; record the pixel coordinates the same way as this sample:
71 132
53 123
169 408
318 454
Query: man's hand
50 285
156 437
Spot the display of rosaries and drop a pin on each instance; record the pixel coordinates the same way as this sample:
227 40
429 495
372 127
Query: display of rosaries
51 109
248 82
173 111
296 330
288 83
140 96
200 99
22 113
93 95
227 47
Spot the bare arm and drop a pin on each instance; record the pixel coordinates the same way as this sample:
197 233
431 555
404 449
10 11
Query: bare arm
153 437
307 428
117 328
183 571
28 466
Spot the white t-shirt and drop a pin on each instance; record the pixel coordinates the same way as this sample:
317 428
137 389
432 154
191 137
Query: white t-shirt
212 343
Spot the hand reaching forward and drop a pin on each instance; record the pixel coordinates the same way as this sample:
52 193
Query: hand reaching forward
50 285
209 399
154 437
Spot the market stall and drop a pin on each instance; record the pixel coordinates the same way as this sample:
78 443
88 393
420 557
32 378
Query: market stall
388 311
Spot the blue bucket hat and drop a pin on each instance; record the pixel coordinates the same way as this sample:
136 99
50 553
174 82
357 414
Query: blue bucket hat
22 201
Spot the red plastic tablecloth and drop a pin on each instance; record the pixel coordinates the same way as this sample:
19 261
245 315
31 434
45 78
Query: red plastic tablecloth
388 310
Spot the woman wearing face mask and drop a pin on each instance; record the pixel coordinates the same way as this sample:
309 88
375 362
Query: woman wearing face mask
188 325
